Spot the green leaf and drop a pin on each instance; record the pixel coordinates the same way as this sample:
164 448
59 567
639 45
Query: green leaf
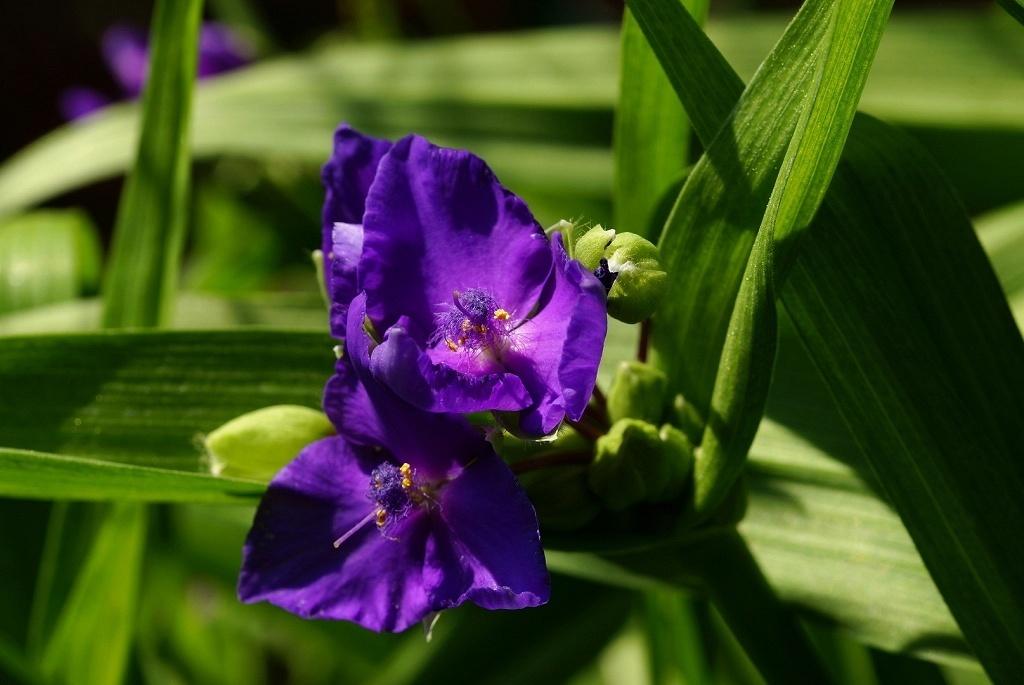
90 641
43 475
744 371
931 383
1015 8
47 256
651 131
1002 235
292 311
144 397
150 230
908 375
741 387
675 638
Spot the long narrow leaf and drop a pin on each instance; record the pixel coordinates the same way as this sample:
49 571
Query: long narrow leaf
150 230
931 383
91 640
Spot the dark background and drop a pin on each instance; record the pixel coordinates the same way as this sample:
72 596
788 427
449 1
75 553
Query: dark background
48 46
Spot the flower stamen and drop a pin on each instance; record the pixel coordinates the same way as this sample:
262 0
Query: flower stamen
473 322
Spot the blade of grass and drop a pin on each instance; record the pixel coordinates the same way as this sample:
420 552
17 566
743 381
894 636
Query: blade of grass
28 474
92 636
744 371
91 639
150 231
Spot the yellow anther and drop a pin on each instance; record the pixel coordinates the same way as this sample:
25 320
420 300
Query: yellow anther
451 346
382 518
406 471
501 315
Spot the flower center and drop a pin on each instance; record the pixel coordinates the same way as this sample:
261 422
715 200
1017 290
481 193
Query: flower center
395 492
472 323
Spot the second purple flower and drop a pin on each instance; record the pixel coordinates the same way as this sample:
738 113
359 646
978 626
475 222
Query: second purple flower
473 307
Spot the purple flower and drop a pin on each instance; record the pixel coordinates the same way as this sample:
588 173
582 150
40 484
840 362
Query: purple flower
403 514
126 52
475 308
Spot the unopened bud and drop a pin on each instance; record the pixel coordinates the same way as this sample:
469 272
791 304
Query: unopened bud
590 247
638 281
636 462
637 392
256 445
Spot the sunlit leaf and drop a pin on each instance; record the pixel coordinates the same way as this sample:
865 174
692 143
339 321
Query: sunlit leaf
908 374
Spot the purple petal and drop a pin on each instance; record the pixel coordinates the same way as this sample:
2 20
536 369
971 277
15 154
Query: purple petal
221 49
560 347
77 102
343 259
400 363
432 442
348 406
289 558
496 532
438 221
127 55
346 176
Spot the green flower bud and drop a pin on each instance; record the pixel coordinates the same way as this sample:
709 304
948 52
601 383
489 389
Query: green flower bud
689 420
256 445
639 279
635 462
590 248
637 391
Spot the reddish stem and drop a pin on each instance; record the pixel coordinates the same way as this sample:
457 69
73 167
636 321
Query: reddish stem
645 340
584 428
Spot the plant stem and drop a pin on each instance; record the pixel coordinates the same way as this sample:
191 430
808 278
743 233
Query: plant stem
585 428
599 404
645 340
767 630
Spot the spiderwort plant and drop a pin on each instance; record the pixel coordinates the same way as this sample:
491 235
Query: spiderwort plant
473 306
403 514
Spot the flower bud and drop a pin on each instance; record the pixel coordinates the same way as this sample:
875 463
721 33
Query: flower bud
635 462
257 444
637 279
590 247
687 418
637 391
